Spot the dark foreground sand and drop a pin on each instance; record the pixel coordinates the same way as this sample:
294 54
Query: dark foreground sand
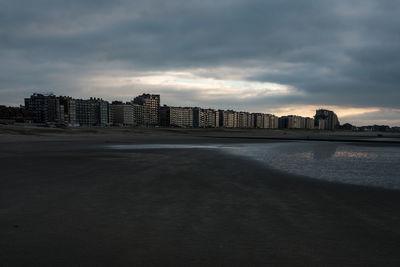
71 202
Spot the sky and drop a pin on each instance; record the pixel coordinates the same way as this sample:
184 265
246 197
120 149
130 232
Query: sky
281 57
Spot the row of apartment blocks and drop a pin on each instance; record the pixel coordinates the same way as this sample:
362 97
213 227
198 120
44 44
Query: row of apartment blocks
189 117
145 110
48 108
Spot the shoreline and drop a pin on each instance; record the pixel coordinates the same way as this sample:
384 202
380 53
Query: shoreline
217 133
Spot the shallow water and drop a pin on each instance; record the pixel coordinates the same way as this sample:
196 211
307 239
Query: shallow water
164 146
377 166
354 164
383 139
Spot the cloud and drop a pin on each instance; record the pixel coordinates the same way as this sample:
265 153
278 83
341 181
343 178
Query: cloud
232 53
383 116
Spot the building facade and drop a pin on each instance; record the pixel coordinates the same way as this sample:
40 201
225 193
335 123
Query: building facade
145 110
228 118
151 109
45 108
176 117
69 106
122 113
326 120
205 118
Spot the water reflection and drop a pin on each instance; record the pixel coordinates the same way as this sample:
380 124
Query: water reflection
340 162
354 154
332 161
323 153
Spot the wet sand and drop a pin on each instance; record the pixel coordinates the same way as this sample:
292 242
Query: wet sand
69 201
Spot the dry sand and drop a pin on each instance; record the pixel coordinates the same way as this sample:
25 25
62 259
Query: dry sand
66 200
121 132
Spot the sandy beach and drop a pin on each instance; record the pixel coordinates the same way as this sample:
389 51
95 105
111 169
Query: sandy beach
68 200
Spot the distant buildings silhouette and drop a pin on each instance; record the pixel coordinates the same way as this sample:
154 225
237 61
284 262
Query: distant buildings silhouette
145 110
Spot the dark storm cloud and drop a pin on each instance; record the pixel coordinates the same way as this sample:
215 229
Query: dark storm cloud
334 52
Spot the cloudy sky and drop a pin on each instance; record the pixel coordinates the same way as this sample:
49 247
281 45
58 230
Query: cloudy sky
282 57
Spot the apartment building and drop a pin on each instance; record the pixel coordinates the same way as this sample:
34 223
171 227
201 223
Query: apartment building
122 113
205 118
45 108
69 114
151 109
326 120
176 116
228 118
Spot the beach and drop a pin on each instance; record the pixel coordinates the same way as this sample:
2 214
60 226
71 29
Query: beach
66 199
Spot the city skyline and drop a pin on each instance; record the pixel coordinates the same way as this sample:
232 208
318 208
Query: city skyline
275 57
145 110
289 112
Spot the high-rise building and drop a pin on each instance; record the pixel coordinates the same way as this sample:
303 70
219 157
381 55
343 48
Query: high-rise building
151 108
85 112
102 111
165 116
181 117
291 122
205 118
295 122
211 118
258 120
309 123
122 113
176 116
91 112
250 120
326 120
220 113
228 118
274 121
138 114
245 120
268 121
45 108
69 113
